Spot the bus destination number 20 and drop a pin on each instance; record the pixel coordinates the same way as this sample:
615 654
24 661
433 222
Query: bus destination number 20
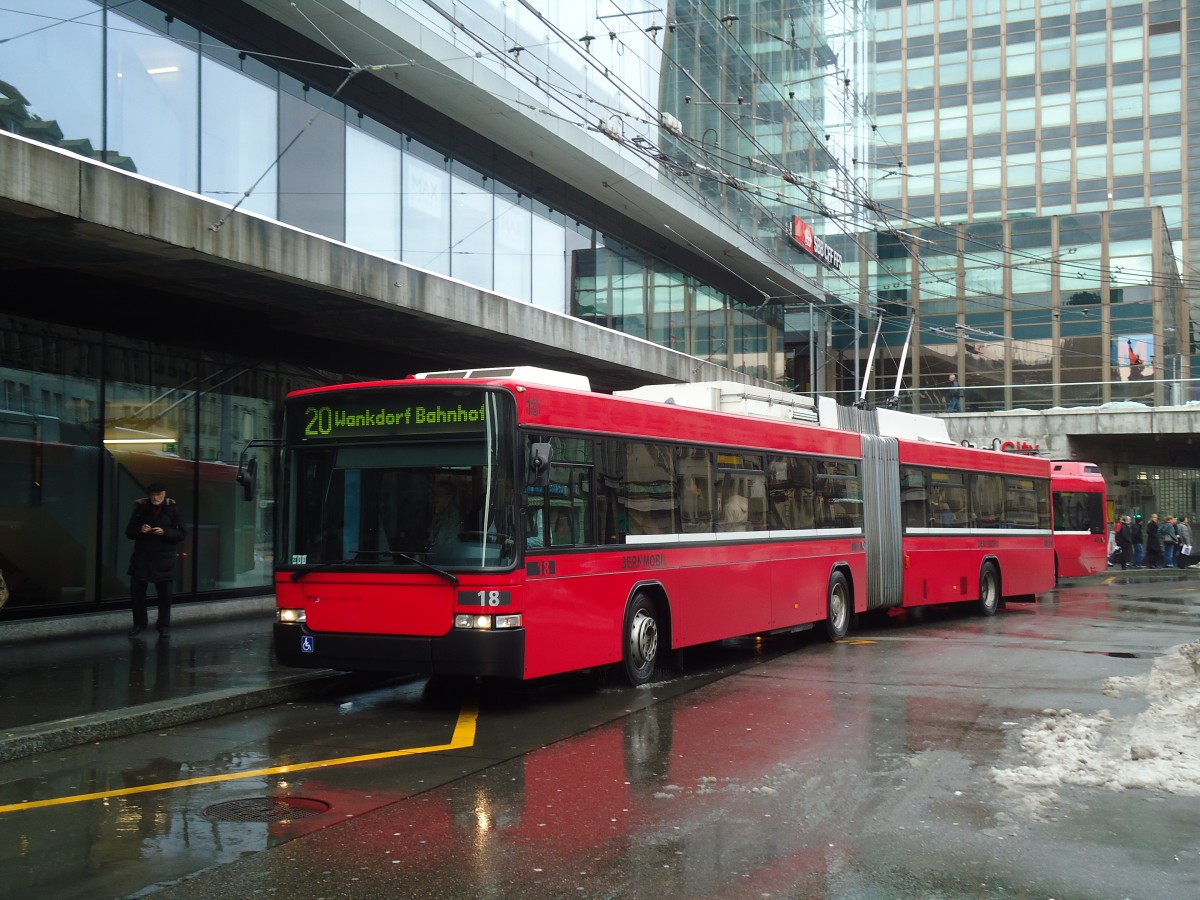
485 598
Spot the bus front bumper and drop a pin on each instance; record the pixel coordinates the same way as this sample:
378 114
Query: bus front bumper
488 654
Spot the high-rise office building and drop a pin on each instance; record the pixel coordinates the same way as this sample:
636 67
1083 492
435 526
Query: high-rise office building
1032 174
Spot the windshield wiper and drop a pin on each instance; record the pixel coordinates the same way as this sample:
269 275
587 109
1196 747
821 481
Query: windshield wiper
449 576
321 567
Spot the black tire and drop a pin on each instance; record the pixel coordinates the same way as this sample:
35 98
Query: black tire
838 609
989 590
639 640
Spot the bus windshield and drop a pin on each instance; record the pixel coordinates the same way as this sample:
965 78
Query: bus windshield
415 477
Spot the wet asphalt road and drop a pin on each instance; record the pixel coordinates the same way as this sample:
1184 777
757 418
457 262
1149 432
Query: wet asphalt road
785 768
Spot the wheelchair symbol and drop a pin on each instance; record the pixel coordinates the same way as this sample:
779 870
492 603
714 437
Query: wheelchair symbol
306 645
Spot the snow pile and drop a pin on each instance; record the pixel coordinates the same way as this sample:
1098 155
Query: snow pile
1158 749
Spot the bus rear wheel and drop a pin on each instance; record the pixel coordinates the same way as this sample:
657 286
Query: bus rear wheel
837 608
989 590
640 651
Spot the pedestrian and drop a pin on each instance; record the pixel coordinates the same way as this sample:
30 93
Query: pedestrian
1154 547
1124 536
156 528
1139 543
1166 533
1183 531
954 392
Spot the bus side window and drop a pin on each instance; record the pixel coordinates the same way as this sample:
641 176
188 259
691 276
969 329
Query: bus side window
569 510
913 497
802 475
562 531
649 488
535 518
694 471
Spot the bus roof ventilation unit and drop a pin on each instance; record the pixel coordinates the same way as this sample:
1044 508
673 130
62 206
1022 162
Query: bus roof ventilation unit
531 374
733 397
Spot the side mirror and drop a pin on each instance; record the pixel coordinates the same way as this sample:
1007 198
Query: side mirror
539 464
247 477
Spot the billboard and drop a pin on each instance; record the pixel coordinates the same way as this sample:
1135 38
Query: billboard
1133 356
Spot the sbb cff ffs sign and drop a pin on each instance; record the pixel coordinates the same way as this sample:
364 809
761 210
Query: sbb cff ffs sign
803 237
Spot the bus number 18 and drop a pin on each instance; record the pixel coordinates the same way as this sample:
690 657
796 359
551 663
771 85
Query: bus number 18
485 598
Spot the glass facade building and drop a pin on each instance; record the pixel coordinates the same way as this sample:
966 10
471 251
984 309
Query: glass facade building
94 407
174 103
1031 171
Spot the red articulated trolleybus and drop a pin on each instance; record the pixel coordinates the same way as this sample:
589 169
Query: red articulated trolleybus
1080 519
511 523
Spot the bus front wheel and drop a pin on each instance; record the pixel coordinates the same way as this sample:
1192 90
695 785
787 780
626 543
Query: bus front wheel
640 640
837 611
989 590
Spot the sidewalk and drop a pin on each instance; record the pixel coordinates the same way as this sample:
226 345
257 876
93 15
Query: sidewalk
80 679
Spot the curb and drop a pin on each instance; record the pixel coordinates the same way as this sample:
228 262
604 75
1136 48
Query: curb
31 740
118 621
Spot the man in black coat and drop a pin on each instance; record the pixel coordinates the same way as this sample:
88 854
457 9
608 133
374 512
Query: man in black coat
1154 544
156 529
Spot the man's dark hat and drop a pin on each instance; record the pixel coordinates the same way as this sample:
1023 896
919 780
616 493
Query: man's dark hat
155 488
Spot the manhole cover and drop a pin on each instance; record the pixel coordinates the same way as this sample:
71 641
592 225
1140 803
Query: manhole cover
266 809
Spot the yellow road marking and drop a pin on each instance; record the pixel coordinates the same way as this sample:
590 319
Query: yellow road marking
464 736
856 641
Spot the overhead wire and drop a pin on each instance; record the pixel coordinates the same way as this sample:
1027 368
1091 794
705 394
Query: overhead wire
954 296
645 114
1032 258
659 157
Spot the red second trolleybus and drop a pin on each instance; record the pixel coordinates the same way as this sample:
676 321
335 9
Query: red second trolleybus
512 523
1080 519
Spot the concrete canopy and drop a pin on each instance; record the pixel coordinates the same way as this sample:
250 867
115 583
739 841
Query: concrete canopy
88 244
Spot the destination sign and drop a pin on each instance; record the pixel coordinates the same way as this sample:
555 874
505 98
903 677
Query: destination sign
376 414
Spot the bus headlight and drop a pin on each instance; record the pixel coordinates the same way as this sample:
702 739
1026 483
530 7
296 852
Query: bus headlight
290 616
485 622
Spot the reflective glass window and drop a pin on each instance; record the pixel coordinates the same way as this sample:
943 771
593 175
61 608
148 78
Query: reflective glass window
426 214
514 245
712 336
57 71
1127 45
472 219
1128 159
550 263
238 130
669 320
1165 160
1165 101
312 173
1022 62
152 104
373 186
234 537
50 467
149 436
